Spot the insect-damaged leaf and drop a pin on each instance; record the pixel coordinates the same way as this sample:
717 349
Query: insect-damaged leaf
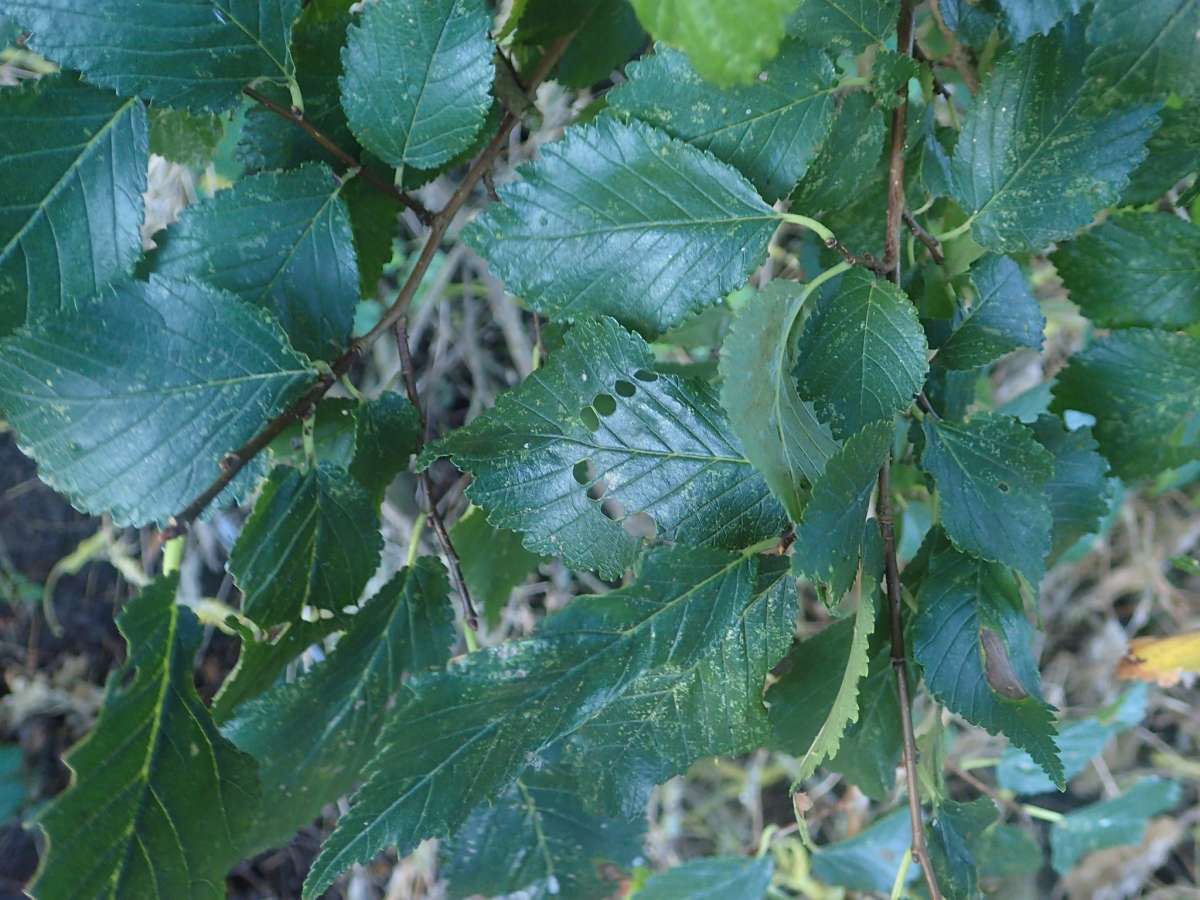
517 699
595 418
975 647
620 219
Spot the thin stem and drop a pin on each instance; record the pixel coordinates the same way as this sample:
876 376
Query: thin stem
811 224
901 875
233 463
414 539
931 243
296 117
891 258
470 617
954 232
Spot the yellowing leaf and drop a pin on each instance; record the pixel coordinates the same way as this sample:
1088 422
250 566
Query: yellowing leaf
1162 659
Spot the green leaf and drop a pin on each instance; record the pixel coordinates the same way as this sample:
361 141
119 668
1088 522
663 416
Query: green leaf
975 645
870 860
1003 316
1137 269
862 354
1035 160
813 703
129 403
312 540
1111 823
1173 152
374 216
189 139
595 418
1004 851
669 719
261 662
417 85
781 433
891 71
73 162
494 562
159 804
1145 50
512 702
606 34
769 129
1079 490
1079 742
539 841
175 52
1029 17
726 43
951 832
269 141
716 878
282 241
829 539
387 431
619 219
312 737
1141 386
844 25
332 424
991 476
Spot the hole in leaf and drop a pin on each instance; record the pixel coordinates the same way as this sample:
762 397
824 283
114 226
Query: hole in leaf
1003 485
605 404
645 375
613 509
590 420
624 388
582 471
640 525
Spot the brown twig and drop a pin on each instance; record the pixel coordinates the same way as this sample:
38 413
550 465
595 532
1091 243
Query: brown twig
470 616
931 243
296 117
234 462
891 258
866 260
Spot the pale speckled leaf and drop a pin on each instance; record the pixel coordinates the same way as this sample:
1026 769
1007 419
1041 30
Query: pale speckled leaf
280 240
160 804
671 718
73 163
845 164
829 539
619 219
539 840
195 53
1145 50
862 355
718 878
1136 269
312 540
129 403
726 42
1026 18
596 418
975 647
770 129
781 433
991 476
470 731
1036 160
1118 822
1143 388
1003 316
844 24
1079 491
418 78
313 736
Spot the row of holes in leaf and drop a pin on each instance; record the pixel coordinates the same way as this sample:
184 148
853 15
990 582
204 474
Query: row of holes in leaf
638 525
